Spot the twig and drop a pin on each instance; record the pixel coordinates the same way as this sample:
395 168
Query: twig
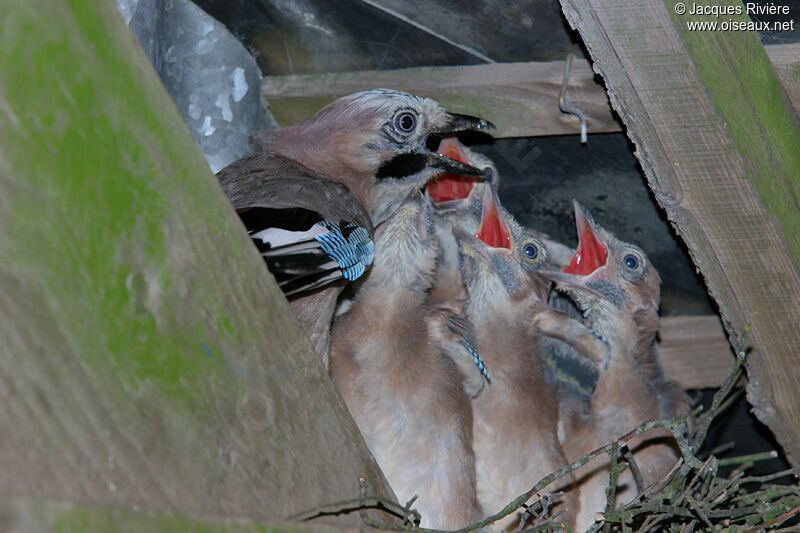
611 490
717 401
700 475
538 511
635 472
753 458
652 507
699 510
730 400
770 477
722 448
666 481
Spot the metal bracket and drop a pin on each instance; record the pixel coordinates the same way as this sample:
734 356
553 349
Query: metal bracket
566 105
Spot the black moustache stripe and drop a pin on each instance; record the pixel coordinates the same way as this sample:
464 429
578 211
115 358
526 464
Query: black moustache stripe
402 166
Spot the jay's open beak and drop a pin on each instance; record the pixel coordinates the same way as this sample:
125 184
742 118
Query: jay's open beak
458 122
436 160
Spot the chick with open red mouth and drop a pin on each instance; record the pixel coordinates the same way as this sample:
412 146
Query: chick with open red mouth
611 281
449 186
591 253
458 200
515 418
617 289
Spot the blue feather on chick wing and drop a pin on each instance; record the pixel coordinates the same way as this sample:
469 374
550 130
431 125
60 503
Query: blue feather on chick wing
478 361
349 245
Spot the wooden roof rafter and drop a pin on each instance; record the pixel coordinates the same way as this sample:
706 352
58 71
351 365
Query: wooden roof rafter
719 143
520 98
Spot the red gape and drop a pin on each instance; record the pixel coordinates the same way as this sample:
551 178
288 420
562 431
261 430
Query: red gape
591 253
493 230
449 186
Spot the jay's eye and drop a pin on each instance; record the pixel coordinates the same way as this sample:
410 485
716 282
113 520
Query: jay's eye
405 122
531 251
631 261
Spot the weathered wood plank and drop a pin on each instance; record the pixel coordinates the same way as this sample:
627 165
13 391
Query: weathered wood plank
718 143
147 358
520 98
694 351
26 515
785 58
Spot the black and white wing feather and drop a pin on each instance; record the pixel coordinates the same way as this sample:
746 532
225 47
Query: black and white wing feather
307 260
311 230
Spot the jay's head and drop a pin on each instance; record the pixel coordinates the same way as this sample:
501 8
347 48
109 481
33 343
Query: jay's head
382 144
501 261
392 134
608 277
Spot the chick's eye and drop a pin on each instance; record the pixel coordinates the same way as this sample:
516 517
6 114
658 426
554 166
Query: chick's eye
631 261
531 251
405 122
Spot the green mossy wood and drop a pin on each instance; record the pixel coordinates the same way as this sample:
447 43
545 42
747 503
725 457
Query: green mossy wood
720 146
24 515
147 358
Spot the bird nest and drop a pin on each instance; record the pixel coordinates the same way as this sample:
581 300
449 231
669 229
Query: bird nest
700 493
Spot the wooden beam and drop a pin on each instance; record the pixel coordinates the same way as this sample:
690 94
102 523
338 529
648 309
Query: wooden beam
785 58
694 351
718 141
148 359
520 98
21 514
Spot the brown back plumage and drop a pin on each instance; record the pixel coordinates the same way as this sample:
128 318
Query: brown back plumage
275 182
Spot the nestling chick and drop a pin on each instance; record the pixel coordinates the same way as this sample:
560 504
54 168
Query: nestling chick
308 196
515 419
617 288
390 362
458 203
